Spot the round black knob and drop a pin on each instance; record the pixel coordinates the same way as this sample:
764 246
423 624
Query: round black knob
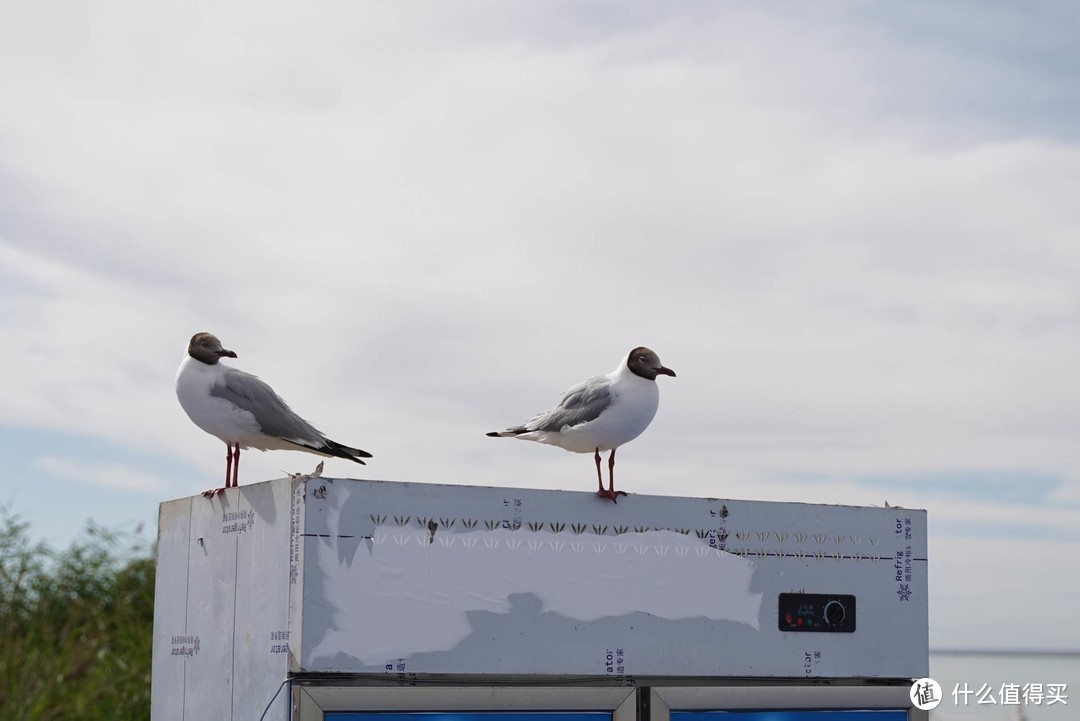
835 612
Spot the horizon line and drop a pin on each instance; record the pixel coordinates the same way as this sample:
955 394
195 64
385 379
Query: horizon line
1059 652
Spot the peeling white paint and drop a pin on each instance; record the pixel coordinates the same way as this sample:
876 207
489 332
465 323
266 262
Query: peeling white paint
405 591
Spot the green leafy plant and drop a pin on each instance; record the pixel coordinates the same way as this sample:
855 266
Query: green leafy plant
76 626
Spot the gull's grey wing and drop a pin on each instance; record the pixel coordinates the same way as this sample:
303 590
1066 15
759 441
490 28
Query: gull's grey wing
273 415
580 404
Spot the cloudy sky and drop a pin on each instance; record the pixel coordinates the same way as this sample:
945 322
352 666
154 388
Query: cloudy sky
851 228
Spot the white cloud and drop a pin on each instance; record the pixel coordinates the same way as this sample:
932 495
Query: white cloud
442 216
117 476
987 593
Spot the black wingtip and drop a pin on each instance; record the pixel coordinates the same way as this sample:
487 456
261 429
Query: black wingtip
336 450
493 434
353 454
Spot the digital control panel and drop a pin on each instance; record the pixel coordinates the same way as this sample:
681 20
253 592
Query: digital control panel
817 612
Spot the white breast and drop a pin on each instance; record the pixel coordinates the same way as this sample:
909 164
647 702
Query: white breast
632 410
216 416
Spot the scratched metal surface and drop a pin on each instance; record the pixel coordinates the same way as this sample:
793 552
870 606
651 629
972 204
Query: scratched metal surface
562 549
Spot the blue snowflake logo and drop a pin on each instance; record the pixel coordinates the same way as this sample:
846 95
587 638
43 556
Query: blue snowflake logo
904 592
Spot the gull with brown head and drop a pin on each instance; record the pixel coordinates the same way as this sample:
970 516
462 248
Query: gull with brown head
601 413
243 411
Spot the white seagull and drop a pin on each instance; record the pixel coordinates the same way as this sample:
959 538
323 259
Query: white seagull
601 413
243 411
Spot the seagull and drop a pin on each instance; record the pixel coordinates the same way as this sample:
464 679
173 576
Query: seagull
243 411
601 413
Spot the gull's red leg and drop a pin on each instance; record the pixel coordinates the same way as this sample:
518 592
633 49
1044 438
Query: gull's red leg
610 492
611 470
599 476
228 469
236 466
